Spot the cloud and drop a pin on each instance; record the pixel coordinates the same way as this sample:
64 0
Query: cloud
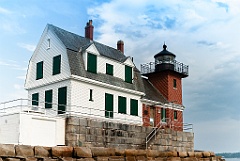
4 11
29 47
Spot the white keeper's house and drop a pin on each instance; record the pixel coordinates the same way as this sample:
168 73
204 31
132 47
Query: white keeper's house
73 75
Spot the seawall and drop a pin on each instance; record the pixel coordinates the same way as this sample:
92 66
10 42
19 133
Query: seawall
10 152
94 133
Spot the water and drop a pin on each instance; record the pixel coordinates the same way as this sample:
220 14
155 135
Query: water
232 159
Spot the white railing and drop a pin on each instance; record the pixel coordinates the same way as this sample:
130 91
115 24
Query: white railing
24 105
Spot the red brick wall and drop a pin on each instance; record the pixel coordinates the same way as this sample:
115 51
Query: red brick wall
163 81
171 122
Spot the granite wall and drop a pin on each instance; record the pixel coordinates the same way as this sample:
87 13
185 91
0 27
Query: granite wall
95 133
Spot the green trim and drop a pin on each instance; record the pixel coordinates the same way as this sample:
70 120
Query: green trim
128 74
92 63
35 99
57 65
91 95
122 105
62 100
108 105
134 107
163 114
48 99
109 69
39 70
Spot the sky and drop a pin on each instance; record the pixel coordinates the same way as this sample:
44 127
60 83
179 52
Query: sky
204 34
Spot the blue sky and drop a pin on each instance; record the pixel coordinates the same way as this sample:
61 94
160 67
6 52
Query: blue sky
202 33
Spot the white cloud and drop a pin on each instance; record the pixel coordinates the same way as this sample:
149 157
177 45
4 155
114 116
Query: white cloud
29 47
4 11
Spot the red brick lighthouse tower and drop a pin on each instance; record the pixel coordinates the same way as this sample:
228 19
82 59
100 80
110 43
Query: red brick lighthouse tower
166 76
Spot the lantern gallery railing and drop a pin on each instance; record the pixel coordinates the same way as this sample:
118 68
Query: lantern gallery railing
165 65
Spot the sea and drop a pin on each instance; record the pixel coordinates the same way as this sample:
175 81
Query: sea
232 159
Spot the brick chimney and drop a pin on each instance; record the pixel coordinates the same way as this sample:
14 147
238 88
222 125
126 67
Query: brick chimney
120 45
89 30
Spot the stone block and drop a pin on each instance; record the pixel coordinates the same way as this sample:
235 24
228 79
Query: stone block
152 153
171 154
82 122
190 159
120 152
101 158
68 159
141 158
41 152
73 121
30 159
160 159
97 124
7 150
206 154
49 159
71 136
62 151
142 153
173 159
130 152
116 158
191 154
82 152
182 154
100 151
198 154
212 154
82 129
11 159
85 159
23 151
130 158
72 128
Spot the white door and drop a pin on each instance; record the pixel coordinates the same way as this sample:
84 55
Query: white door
43 132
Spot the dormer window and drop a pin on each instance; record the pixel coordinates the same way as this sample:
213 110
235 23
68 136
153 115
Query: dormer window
92 63
109 69
128 74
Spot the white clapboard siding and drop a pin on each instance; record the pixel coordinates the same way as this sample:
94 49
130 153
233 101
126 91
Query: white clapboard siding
45 53
80 95
54 87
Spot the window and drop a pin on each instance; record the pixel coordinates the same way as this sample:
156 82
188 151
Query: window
174 83
175 115
163 115
48 99
91 95
122 104
134 107
92 63
109 69
128 74
39 73
48 42
108 105
62 100
56 64
35 98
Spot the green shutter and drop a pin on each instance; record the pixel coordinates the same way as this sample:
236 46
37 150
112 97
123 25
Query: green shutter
163 115
109 69
92 63
62 100
128 74
91 95
35 99
108 105
39 70
122 104
134 107
56 64
48 99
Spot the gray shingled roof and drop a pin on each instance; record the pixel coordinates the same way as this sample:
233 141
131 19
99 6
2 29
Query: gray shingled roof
152 93
75 43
